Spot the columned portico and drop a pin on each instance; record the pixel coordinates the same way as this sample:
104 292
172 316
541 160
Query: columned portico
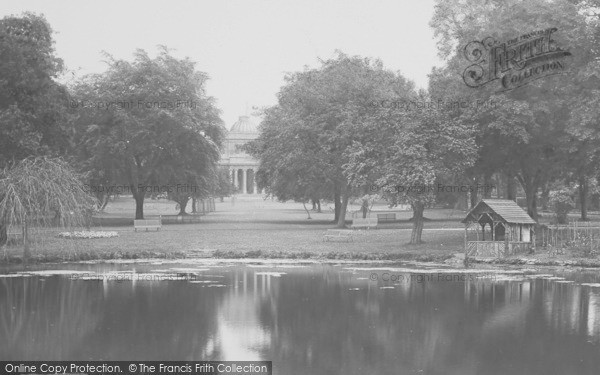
244 180
242 167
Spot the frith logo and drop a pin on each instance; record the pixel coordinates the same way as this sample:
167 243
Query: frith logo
516 62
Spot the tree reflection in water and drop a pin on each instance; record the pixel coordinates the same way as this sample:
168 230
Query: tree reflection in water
317 320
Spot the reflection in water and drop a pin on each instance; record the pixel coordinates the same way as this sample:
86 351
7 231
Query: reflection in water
241 336
317 320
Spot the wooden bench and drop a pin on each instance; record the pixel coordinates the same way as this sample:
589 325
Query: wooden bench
181 219
147 224
333 234
368 223
386 217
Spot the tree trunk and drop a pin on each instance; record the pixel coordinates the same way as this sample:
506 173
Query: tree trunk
342 217
194 204
3 234
314 204
306 209
487 181
182 205
89 215
474 195
26 249
583 193
530 186
319 206
545 196
511 188
104 202
337 204
139 204
417 230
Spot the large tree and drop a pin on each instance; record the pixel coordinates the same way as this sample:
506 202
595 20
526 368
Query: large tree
32 104
148 123
583 126
523 134
416 153
293 165
321 116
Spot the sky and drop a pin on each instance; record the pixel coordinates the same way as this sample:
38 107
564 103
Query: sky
245 46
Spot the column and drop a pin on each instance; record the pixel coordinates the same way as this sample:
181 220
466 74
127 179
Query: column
254 179
244 181
235 178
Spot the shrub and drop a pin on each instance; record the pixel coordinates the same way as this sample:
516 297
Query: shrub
561 202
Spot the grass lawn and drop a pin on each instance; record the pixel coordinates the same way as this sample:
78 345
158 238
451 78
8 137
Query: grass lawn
248 227
251 227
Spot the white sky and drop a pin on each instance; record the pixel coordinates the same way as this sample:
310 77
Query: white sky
245 46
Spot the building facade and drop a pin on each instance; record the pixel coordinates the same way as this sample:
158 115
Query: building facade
242 167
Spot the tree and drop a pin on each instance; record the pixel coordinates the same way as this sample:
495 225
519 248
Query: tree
583 149
321 116
292 166
224 186
150 123
524 133
32 104
34 190
414 153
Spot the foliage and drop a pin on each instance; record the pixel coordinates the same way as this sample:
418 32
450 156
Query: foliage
562 202
148 123
424 148
321 118
524 133
32 105
43 191
224 186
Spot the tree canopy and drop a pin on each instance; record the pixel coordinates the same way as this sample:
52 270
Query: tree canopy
321 118
148 123
32 104
523 135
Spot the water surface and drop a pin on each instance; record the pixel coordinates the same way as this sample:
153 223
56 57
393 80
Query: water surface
313 319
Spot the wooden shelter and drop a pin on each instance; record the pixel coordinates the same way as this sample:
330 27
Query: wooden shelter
510 230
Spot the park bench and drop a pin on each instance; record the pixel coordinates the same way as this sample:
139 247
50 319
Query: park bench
180 219
333 234
367 223
147 224
386 217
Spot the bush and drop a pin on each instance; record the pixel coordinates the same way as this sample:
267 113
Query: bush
561 203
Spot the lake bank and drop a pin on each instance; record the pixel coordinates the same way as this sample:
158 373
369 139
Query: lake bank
265 229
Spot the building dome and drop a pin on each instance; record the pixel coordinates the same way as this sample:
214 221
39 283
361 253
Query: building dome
244 125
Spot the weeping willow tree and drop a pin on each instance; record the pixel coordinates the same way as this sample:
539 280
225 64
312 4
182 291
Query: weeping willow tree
44 192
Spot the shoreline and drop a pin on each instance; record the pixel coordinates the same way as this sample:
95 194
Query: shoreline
454 259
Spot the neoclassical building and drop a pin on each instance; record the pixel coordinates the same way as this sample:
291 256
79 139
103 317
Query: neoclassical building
242 167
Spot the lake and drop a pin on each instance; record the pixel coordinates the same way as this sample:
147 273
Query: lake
307 319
